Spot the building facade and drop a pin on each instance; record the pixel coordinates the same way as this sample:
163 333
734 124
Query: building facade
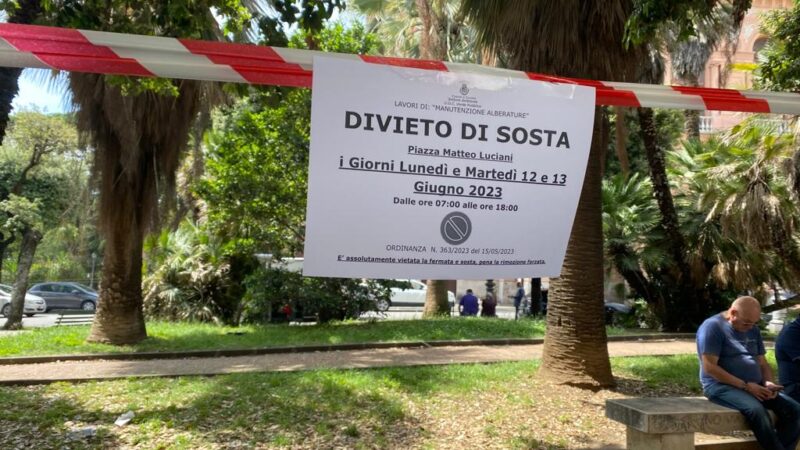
739 65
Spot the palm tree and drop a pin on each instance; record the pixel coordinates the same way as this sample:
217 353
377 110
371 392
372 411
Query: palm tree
135 153
139 130
682 287
689 55
584 40
745 182
427 29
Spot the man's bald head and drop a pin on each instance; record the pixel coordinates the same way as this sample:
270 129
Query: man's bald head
744 313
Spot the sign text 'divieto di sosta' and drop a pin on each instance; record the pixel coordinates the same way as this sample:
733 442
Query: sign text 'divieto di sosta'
436 175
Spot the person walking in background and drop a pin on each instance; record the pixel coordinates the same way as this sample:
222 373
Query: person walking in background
468 305
518 299
734 373
489 306
787 353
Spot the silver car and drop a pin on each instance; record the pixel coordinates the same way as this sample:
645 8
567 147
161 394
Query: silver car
66 295
33 303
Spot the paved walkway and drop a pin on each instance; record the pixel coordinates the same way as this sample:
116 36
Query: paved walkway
345 359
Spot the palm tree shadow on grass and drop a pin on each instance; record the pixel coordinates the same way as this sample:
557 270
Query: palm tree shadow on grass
321 409
31 419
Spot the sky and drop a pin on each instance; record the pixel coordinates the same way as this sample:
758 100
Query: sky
36 91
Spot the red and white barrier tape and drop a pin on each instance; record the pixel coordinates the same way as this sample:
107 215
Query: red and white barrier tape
126 54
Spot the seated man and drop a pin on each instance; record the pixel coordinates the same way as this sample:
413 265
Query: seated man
787 353
734 373
468 305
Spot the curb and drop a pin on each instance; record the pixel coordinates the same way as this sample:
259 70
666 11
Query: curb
312 348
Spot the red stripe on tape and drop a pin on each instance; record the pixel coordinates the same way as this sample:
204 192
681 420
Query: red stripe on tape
613 97
68 49
725 99
118 66
247 59
404 62
561 80
301 78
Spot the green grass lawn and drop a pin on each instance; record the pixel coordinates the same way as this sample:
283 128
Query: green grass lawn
176 336
484 405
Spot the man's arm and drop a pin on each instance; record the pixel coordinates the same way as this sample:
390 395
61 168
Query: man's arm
766 374
712 368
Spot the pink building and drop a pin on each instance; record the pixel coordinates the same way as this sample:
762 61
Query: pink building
751 40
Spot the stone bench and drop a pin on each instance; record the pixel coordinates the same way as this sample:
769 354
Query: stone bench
670 423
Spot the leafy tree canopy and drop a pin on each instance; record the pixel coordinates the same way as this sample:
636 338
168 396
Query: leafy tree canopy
26 161
649 15
257 168
779 68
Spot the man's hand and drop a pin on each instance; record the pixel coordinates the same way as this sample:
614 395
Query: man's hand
760 392
773 387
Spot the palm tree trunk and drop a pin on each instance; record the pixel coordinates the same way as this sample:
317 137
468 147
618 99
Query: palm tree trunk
432 44
119 319
691 123
30 240
575 350
682 289
436 302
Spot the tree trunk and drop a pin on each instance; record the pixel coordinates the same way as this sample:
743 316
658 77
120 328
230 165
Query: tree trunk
661 190
575 350
30 240
432 45
536 296
119 319
682 307
691 123
436 302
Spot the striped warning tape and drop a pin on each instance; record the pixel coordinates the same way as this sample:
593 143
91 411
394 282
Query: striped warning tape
126 54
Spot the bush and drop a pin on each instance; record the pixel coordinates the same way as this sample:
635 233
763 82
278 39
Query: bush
645 316
275 294
189 277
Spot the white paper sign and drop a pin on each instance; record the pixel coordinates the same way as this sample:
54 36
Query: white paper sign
425 174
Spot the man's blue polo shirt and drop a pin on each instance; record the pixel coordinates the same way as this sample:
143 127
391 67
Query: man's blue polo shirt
737 351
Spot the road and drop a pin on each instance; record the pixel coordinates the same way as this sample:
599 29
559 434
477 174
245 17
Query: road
37 321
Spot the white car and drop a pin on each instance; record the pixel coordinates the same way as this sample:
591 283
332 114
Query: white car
412 296
33 303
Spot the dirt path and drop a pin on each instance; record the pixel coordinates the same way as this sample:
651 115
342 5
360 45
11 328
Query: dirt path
96 370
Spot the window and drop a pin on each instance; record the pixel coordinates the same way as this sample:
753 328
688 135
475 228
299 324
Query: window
758 46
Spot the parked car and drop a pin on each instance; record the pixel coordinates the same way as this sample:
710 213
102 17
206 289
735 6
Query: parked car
413 295
66 295
616 312
33 303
